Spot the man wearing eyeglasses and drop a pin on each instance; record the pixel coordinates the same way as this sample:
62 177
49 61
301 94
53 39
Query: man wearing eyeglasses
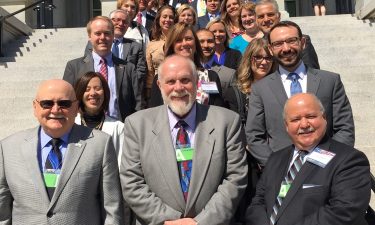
265 130
58 172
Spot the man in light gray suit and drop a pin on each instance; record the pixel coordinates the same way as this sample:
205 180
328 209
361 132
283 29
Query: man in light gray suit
198 177
58 172
265 128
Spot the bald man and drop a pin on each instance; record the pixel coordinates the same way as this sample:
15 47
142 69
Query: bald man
316 180
58 172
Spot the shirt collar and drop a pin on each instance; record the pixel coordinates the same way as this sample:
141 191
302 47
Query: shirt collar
301 71
97 58
189 119
45 138
209 62
120 39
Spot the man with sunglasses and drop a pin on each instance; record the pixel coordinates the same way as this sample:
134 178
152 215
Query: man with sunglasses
58 172
265 130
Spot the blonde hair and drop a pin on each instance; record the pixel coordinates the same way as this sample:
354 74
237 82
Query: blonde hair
184 7
249 6
218 20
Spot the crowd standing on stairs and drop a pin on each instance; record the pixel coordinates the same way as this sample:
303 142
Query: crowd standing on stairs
189 112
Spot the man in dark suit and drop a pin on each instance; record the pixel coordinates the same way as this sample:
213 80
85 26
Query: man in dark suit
316 180
121 76
212 12
184 162
268 15
264 128
144 16
59 173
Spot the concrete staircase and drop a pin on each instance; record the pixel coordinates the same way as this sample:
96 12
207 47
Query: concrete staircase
344 45
28 61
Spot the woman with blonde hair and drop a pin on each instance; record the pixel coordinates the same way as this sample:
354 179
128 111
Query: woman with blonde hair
224 56
256 63
247 23
230 12
186 14
182 40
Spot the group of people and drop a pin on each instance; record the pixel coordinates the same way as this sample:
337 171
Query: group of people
170 118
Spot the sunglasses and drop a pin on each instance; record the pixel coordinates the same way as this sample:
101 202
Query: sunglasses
48 104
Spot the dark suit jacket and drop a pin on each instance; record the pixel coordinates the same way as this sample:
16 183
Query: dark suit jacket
203 21
150 18
233 58
214 99
128 90
265 129
309 56
340 197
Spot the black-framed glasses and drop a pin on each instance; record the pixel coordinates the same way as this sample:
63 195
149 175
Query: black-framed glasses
62 104
289 41
259 58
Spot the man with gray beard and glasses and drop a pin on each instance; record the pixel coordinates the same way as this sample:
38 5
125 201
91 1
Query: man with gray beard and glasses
184 162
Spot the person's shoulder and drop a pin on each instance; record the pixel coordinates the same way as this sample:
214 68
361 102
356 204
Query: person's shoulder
322 73
78 60
146 114
21 136
233 52
219 113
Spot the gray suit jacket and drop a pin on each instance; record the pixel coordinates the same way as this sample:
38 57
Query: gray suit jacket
88 191
129 94
265 129
149 174
226 75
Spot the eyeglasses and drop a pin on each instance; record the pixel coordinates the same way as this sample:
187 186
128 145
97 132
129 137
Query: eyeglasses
117 20
48 104
289 41
259 58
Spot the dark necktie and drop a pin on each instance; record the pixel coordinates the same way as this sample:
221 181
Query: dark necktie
184 167
103 68
54 161
295 86
288 179
115 48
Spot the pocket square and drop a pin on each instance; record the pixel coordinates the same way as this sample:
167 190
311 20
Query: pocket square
305 186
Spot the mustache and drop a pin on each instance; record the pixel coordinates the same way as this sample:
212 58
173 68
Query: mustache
180 94
306 130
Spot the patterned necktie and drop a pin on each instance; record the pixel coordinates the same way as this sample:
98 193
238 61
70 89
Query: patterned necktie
115 48
139 18
184 167
289 178
295 86
103 68
54 161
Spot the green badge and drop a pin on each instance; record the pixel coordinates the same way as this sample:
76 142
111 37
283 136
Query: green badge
51 179
284 190
184 154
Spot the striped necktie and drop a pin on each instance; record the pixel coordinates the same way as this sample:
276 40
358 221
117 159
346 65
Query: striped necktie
184 167
288 179
54 161
103 68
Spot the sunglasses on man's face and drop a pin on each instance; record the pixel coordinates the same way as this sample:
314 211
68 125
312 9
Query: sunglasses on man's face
48 104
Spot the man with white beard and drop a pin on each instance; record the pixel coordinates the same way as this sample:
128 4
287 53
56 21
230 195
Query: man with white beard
184 162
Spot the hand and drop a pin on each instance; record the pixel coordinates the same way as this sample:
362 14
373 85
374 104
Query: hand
184 221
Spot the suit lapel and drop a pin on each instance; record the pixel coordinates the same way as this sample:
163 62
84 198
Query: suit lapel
88 63
312 81
204 146
165 153
119 72
74 150
125 49
277 88
29 150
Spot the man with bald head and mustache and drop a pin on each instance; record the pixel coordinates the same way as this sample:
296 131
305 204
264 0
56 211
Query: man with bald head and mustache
316 180
59 172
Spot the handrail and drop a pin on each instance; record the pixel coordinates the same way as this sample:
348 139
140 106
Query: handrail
3 18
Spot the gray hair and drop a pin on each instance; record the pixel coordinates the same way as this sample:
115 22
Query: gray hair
191 64
111 14
316 99
265 2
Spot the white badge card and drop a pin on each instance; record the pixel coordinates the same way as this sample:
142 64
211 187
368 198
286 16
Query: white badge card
320 157
210 87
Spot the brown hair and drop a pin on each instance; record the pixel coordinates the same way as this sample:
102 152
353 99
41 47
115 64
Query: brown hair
176 33
81 85
249 6
245 76
156 31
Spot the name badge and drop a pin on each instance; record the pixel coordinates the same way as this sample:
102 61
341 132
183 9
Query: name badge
284 189
51 177
184 154
320 157
210 87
